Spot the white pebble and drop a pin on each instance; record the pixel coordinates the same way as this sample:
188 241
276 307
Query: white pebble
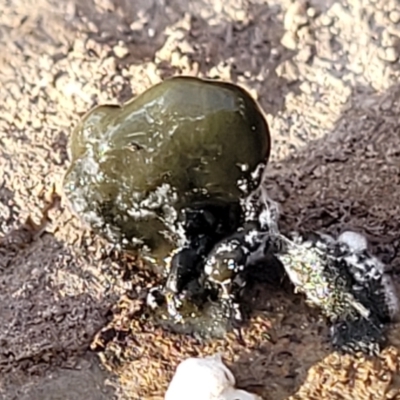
205 379
354 240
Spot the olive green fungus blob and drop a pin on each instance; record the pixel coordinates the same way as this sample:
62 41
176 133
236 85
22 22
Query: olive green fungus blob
135 167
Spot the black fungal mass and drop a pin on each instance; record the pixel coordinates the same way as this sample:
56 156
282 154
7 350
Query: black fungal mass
347 283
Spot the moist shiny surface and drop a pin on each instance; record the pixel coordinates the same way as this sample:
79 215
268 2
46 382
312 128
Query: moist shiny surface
135 167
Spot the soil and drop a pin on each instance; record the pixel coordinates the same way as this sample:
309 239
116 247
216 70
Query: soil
326 74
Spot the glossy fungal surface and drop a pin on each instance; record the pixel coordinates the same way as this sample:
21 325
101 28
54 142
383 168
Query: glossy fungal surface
186 142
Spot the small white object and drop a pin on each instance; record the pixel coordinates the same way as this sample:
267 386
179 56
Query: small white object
354 240
372 268
205 379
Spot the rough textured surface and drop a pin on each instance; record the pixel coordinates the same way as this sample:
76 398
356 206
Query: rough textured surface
326 74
